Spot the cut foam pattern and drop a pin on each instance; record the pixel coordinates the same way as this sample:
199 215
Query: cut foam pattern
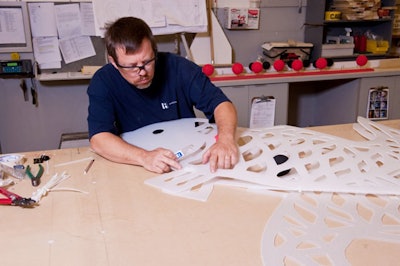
337 190
317 228
317 161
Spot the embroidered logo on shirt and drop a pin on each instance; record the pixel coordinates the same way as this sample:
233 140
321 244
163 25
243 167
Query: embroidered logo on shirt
167 105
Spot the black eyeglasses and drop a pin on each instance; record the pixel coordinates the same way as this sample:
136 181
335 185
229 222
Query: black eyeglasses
137 69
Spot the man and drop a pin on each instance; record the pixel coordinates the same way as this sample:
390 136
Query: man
141 86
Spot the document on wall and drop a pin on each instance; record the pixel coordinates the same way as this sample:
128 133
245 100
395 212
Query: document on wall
262 112
76 48
378 103
68 20
46 52
11 26
42 19
181 9
164 17
87 18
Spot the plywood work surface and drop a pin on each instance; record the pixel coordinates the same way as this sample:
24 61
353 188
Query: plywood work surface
110 217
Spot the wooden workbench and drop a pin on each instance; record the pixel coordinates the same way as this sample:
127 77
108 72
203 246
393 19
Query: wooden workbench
121 221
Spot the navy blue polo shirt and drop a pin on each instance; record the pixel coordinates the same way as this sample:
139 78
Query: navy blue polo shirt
179 85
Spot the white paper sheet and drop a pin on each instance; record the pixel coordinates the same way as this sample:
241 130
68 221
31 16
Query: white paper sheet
42 19
68 20
46 49
262 112
76 48
87 18
11 26
164 17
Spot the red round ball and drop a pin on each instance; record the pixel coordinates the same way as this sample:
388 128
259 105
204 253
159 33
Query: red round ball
321 63
361 60
237 68
208 69
279 65
297 64
256 67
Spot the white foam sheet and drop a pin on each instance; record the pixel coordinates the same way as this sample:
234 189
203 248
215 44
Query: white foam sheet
337 190
317 228
317 161
190 136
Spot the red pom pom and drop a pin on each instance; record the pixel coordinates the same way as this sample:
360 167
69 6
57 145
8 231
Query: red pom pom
279 65
256 67
208 69
237 68
321 63
297 64
361 60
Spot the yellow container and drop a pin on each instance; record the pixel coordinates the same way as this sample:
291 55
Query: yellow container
333 15
377 47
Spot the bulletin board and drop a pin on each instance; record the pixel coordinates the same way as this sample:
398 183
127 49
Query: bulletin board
74 32
164 17
98 60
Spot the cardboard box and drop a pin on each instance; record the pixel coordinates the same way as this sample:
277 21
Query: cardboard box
355 9
286 51
242 18
332 50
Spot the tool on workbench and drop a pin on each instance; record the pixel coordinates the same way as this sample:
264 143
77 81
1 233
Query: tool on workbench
41 159
5 181
11 164
187 150
13 171
15 200
53 182
34 178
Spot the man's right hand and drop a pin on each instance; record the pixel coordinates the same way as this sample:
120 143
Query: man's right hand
160 161
114 148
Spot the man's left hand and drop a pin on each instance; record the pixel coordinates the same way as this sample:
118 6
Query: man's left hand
222 155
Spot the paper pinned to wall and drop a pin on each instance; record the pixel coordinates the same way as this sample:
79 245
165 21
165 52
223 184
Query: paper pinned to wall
43 21
64 27
87 18
68 20
164 17
11 26
76 48
46 49
378 103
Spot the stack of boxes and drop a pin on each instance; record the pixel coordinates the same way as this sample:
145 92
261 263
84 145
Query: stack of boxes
396 22
396 30
357 9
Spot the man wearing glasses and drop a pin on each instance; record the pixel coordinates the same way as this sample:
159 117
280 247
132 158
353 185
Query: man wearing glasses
142 86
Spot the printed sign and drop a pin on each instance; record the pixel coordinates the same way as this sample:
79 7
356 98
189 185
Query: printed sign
378 103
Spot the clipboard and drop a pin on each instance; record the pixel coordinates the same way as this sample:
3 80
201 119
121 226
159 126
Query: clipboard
262 112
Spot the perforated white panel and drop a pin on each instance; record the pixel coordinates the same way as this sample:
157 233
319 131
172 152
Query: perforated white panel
337 190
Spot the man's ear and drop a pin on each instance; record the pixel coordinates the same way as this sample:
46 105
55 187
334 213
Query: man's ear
111 60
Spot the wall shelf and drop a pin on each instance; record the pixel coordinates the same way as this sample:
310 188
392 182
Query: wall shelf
317 28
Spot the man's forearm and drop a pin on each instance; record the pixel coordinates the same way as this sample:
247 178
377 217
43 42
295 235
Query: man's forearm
226 120
115 149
